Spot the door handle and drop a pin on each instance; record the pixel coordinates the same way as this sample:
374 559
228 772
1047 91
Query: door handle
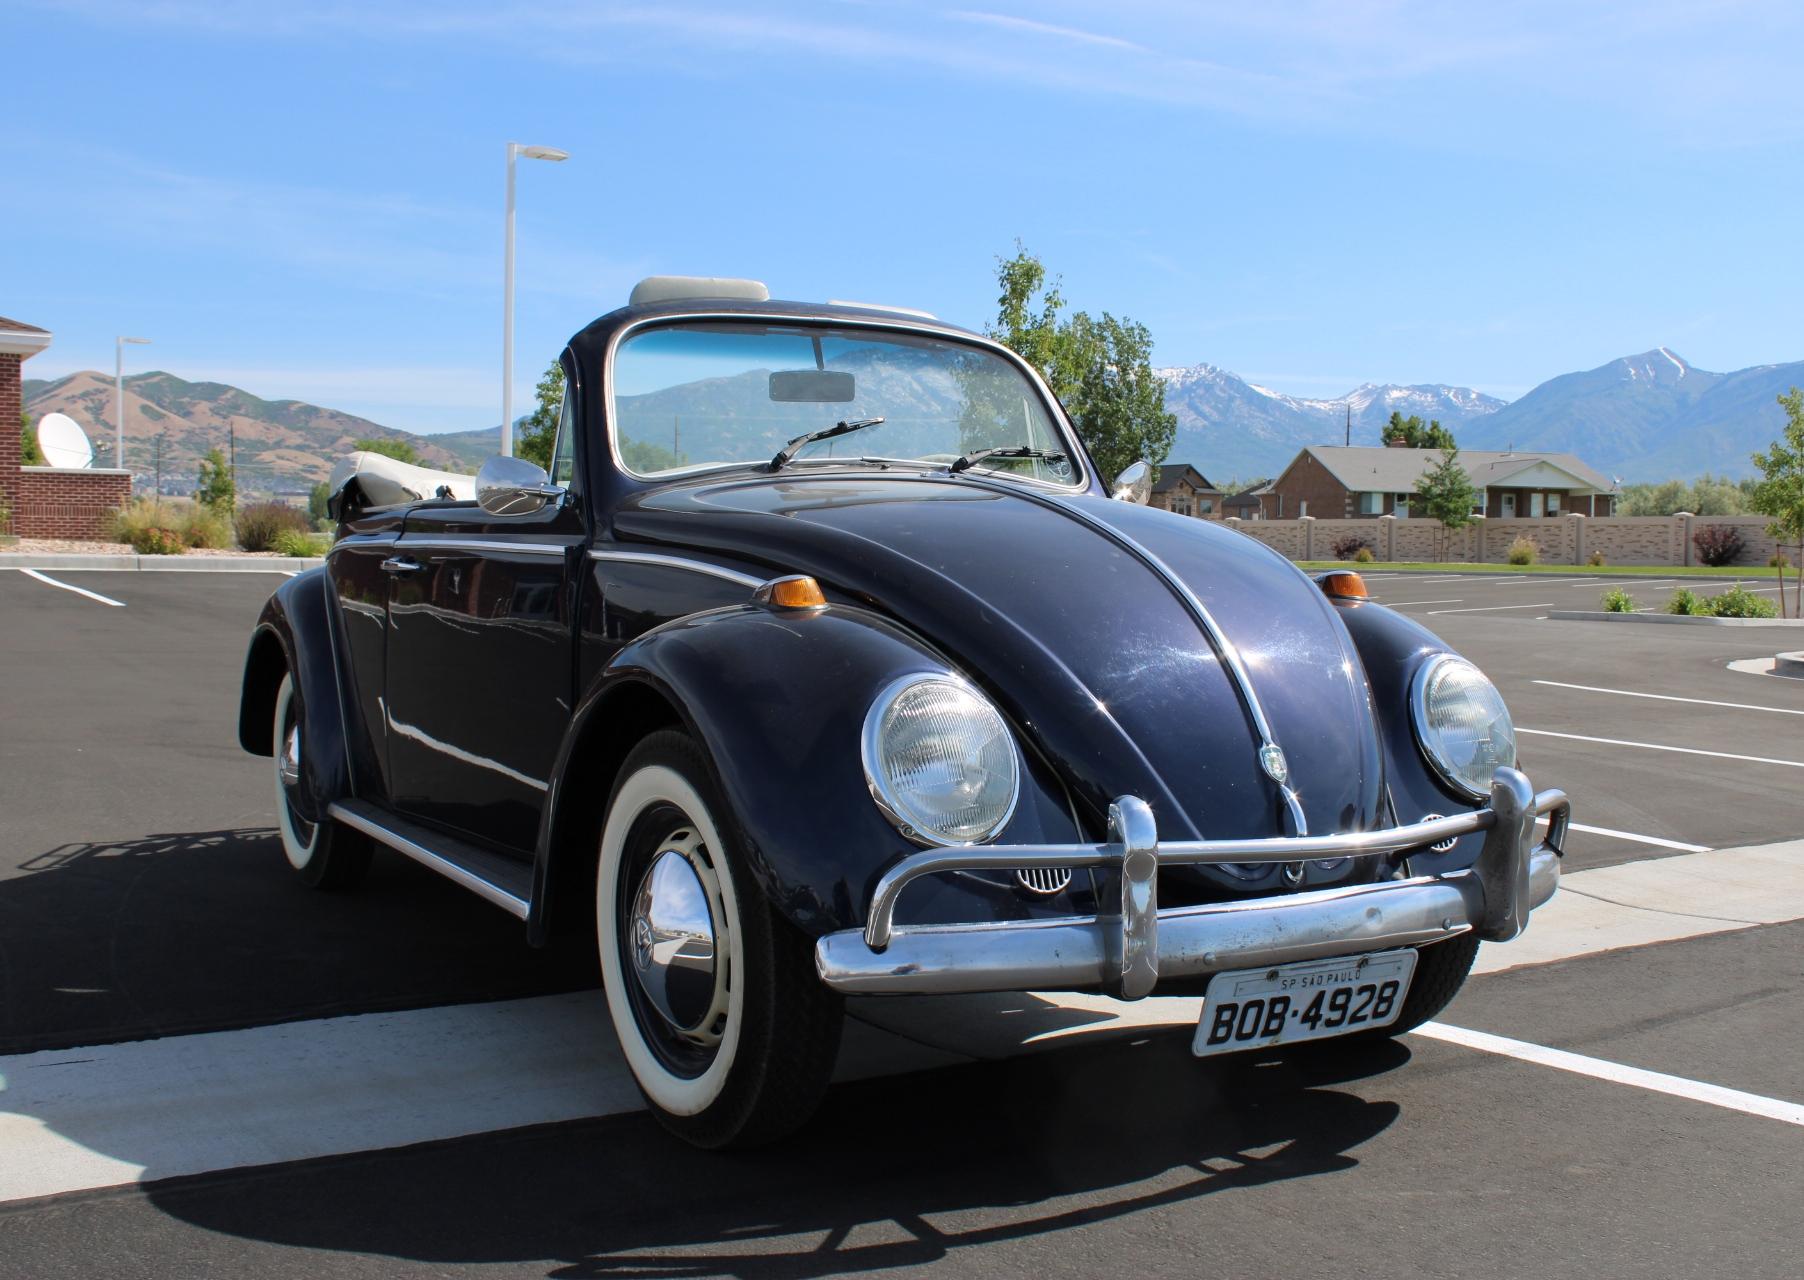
401 564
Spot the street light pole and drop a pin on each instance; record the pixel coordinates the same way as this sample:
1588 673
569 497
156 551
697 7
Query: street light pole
514 151
119 396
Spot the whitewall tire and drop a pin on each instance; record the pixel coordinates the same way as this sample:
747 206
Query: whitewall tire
327 855
728 1032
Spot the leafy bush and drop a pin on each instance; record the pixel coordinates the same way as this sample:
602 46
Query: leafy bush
1686 603
141 513
1718 544
1616 600
1348 548
1523 551
217 488
298 542
1364 556
1596 559
203 526
1739 602
259 523
1779 560
154 540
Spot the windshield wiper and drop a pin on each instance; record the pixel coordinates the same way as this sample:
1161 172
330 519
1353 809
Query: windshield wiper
1010 451
789 451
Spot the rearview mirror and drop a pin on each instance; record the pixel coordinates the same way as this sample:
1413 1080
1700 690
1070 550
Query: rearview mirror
1134 484
812 386
514 487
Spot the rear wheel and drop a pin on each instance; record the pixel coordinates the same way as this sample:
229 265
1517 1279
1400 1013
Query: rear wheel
326 854
727 1028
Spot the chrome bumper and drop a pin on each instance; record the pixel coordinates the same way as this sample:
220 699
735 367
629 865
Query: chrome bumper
1127 951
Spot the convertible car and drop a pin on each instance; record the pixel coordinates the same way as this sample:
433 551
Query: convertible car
822 662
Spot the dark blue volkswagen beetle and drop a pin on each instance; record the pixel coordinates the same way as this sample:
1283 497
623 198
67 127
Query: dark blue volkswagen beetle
823 662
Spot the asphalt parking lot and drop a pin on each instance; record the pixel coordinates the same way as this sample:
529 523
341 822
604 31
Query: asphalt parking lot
151 932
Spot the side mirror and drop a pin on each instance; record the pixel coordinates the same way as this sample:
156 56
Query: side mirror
514 487
1134 484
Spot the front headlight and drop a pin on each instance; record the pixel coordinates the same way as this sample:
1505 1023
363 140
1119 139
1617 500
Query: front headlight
1462 724
940 761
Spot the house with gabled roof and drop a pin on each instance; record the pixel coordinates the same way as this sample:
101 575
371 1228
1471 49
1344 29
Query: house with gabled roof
1334 482
1183 489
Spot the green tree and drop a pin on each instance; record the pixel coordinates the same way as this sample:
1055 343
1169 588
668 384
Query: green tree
317 498
1446 494
1100 368
389 447
29 453
537 434
1415 434
217 490
1780 490
1708 495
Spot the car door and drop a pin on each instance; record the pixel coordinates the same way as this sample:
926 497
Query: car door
481 660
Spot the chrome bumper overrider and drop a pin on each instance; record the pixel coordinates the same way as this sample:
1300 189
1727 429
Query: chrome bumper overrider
1127 951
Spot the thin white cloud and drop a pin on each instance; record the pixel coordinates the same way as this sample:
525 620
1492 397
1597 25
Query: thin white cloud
1012 23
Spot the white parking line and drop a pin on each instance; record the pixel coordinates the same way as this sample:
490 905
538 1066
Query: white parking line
1401 603
1657 841
1655 746
80 591
1492 608
1671 697
1617 1073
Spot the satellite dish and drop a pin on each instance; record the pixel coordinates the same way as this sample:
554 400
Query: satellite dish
63 442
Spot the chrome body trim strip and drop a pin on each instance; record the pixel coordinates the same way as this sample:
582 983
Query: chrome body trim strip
680 562
426 857
408 541
1127 953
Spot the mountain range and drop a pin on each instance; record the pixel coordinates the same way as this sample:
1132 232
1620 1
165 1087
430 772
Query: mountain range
1652 416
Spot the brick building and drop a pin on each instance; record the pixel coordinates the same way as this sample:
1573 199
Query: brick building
46 502
1181 488
1331 482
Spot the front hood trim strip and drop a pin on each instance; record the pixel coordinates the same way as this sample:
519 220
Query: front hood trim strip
1271 754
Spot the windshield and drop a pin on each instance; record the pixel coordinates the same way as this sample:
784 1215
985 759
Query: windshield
688 396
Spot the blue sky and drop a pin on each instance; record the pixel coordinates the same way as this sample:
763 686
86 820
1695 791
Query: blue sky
306 200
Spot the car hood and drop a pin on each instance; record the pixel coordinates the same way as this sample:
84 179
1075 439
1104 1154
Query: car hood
1084 644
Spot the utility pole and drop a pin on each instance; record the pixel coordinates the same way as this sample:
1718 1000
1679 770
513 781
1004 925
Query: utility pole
160 436
1349 424
232 446
676 436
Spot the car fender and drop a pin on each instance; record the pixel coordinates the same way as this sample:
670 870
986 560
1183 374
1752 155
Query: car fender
1392 649
778 699
294 635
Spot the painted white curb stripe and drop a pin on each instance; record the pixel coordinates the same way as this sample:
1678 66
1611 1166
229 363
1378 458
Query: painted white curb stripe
1655 746
80 591
1617 1073
1494 608
1668 697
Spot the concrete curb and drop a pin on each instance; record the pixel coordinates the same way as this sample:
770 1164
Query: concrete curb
162 564
1589 615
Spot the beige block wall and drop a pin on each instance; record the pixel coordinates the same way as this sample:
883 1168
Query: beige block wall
1569 539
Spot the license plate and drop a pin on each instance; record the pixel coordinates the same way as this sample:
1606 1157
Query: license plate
1309 1000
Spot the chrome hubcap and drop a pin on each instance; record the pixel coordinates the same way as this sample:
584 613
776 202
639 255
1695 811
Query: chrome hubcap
288 763
672 940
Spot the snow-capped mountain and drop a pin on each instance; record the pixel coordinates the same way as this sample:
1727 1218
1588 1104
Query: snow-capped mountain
1240 429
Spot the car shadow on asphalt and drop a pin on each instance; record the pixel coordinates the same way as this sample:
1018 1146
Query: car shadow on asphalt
892 1173
111 939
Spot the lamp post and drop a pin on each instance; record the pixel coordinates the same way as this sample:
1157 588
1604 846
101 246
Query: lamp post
514 152
119 396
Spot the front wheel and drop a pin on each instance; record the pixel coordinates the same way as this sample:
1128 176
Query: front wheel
326 854
729 1032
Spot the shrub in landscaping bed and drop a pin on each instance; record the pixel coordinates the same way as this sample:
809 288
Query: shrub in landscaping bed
1686 603
1739 602
1596 560
1718 544
1523 551
1349 547
258 523
1616 600
203 526
298 542
1363 556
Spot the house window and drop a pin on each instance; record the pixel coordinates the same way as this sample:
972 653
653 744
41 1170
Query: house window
1537 504
1371 504
1180 506
1553 504
1205 506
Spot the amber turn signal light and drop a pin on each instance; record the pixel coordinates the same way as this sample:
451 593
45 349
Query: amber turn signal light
1345 583
797 592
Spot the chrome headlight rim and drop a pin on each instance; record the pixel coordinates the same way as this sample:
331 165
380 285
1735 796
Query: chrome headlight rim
1418 712
876 778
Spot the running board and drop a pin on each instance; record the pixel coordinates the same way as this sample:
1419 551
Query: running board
501 880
